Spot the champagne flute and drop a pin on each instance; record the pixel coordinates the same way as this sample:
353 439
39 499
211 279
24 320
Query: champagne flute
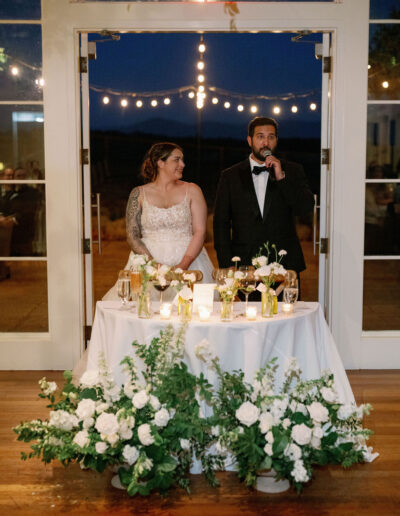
136 284
248 282
124 287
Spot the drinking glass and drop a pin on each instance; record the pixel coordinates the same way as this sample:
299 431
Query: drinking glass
124 287
291 291
248 282
136 284
161 288
221 275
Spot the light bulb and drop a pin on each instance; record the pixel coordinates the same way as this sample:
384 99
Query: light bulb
200 65
200 78
14 71
276 110
253 109
201 88
139 103
167 101
227 105
240 107
154 103
214 100
294 109
124 102
191 94
385 84
313 106
202 48
106 100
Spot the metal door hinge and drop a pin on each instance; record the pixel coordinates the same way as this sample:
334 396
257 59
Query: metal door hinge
84 156
325 157
327 64
87 330
83 64
323 246
86 246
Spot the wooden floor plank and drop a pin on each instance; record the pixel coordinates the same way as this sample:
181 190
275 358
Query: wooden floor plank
31 488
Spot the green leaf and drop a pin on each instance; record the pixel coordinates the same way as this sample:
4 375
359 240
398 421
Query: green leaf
169 464
266 463
89 394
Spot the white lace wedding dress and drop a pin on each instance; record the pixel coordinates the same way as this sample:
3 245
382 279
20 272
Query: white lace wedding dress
166 232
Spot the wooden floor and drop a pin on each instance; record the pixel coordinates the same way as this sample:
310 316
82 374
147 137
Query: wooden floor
31 488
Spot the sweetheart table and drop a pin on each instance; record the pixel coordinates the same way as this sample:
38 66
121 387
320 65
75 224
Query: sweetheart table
239 344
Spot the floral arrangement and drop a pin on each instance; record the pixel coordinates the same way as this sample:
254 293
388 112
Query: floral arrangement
150 428
290 432
229 289
267 272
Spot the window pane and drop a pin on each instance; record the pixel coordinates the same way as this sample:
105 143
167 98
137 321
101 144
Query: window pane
21 139
22 217
382 219
384 9
23 297
383 141
384 62
381 295
20 62
20 9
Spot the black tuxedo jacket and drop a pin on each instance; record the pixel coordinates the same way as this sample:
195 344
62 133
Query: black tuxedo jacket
239 228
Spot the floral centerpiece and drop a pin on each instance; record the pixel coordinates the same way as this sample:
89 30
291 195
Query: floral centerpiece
290 432
148 271
183 283
228 291
267 273
150 428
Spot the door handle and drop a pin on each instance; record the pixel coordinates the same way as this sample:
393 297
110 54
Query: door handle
315 219
97 206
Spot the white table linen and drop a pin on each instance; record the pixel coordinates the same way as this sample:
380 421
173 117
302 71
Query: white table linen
239 344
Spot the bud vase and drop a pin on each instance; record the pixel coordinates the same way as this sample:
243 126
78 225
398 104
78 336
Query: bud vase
267 483
267 304
185 309
226 311
144 306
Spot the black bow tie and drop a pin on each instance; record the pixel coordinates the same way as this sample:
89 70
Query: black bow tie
258 170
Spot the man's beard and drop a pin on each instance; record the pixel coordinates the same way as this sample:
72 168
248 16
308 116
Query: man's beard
260 154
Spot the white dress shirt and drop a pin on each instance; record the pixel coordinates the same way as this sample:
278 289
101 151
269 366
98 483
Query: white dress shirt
260 184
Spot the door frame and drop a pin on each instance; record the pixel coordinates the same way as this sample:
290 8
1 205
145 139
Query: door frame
62 20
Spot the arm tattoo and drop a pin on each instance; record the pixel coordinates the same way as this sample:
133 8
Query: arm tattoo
133 224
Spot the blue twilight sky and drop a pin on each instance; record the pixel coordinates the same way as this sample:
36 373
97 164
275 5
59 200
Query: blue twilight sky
251 64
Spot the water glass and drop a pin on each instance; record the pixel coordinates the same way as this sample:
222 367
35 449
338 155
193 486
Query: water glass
124 287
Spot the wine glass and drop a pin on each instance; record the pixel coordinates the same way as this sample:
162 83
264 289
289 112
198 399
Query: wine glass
221 275
124 287
161 287
248 282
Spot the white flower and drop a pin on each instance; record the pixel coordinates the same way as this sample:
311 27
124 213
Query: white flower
125 428
286 423
82 438
130 454
368 455
185 444
267 420
145 465
215 431
299 407
229 282
63 420
239 275
129 390
261 287
144 434
269 437
292 451
236 259
47 387
291 366
85 408
268 449
90 378
220 448
263 271
328 394
260 261
107 424
161 417
203 351
54 441
279 407
315 442
140 399
155 402
282 252
102 407
113 393
101 447
88 422
174 283
186 293
299 472
318 432
318 412
247 413
190 277
150 270
138 259
178 270
112 438
345 411
301 434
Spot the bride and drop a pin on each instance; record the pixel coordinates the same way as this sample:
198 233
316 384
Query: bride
166 217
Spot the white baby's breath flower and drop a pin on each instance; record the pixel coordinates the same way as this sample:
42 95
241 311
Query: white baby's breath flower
82 438
101 447
140 399
144 434
247 413
130 454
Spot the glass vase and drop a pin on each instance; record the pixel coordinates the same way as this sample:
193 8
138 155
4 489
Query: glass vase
226 311
144 306
185 309
267 304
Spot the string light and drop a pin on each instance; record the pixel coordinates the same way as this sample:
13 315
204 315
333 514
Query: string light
201 88
253 109
313 106
154 103
294 109
106 100
240 107
200 65
191 94
124 103
14 71
139 103
214 100
39 82
385 84
167 101
276 110
200 78
202 48
227 105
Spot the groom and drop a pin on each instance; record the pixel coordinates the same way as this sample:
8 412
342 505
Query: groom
257 200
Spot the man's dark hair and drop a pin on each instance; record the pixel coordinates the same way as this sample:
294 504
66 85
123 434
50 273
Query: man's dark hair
262 120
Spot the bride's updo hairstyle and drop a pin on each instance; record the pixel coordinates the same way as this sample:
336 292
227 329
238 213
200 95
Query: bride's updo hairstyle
149 169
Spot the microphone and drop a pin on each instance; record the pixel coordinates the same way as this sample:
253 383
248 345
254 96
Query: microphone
270 170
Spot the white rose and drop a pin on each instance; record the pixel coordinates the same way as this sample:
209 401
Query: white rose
328 394
185 444
286 423
316 442
85 409
125 433
318 432
130 454
107 424
113 393
112 438
301 434
318 412
88 422
155 402
269 437
90 378
140 399
247 413
268 449
82 438
345 411
301 408
102 407
129 390
161 417
101 447
293 451
144 434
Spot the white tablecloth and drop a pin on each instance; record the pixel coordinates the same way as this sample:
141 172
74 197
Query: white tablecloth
239 344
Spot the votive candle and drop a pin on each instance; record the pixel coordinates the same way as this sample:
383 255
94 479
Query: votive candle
204 313
251 313
165 311
287 308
